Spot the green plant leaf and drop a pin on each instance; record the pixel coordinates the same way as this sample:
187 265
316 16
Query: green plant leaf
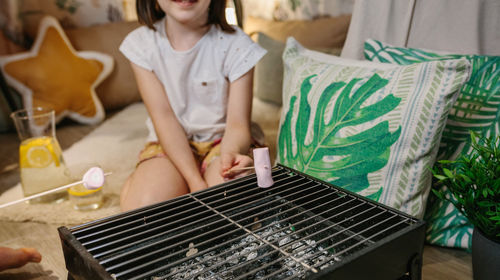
441 177
448 173
475 191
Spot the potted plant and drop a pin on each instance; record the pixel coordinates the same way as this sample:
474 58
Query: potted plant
474 182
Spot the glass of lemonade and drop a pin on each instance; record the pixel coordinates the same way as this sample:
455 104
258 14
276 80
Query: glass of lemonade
41 163
82 198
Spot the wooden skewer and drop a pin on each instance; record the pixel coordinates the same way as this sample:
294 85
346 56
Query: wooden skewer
241 168
46 192
238 169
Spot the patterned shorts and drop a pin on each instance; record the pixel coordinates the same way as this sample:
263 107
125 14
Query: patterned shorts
204 152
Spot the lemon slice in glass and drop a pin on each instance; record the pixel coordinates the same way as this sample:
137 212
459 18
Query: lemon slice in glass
80 190
38 156
38 152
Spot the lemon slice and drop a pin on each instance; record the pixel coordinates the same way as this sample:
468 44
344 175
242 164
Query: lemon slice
80 190
38 156
39 152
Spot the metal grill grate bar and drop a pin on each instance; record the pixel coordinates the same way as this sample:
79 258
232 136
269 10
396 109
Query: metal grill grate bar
156 252
105 225
225 252
145 233
357 244
289 245
139 235
122 224
373 207
265 241
370 237
277 260
212 267
306 266
141 221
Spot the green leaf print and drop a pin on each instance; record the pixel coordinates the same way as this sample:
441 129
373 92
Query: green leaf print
343 161
477 106
446 226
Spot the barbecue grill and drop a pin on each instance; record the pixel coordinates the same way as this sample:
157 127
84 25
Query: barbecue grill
300 228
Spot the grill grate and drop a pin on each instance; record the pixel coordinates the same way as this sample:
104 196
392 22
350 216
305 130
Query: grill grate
301 227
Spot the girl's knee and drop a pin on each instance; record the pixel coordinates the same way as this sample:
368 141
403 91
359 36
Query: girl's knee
151 183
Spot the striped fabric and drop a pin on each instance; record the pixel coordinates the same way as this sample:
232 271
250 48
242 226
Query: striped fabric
371 128
477 108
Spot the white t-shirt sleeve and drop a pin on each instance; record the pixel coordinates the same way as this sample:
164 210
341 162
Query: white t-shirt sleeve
135 48
242 55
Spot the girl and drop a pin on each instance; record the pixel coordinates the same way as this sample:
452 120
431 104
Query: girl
194 72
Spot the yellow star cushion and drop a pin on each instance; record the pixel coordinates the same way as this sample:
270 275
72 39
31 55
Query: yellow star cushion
52 74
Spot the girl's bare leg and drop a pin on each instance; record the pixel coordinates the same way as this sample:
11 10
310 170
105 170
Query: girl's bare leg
153 181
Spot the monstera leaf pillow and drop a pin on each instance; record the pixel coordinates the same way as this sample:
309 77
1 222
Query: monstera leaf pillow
371 128
477 108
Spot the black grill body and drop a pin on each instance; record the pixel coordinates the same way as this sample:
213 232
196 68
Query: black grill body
300 228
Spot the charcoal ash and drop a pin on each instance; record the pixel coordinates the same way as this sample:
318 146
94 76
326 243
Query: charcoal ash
252 257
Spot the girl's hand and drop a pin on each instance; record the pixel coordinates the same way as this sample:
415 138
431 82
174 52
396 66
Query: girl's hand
230 164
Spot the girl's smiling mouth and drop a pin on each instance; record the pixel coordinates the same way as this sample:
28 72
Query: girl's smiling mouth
185 3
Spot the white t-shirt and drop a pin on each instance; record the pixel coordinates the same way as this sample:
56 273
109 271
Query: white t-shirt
196 81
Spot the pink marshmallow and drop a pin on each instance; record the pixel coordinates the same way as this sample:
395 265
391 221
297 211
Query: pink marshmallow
93 178
262 164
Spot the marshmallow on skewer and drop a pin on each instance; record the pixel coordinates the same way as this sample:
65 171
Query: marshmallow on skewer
262 164
92 179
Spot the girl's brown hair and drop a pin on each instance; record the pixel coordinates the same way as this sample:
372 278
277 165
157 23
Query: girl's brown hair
148 12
